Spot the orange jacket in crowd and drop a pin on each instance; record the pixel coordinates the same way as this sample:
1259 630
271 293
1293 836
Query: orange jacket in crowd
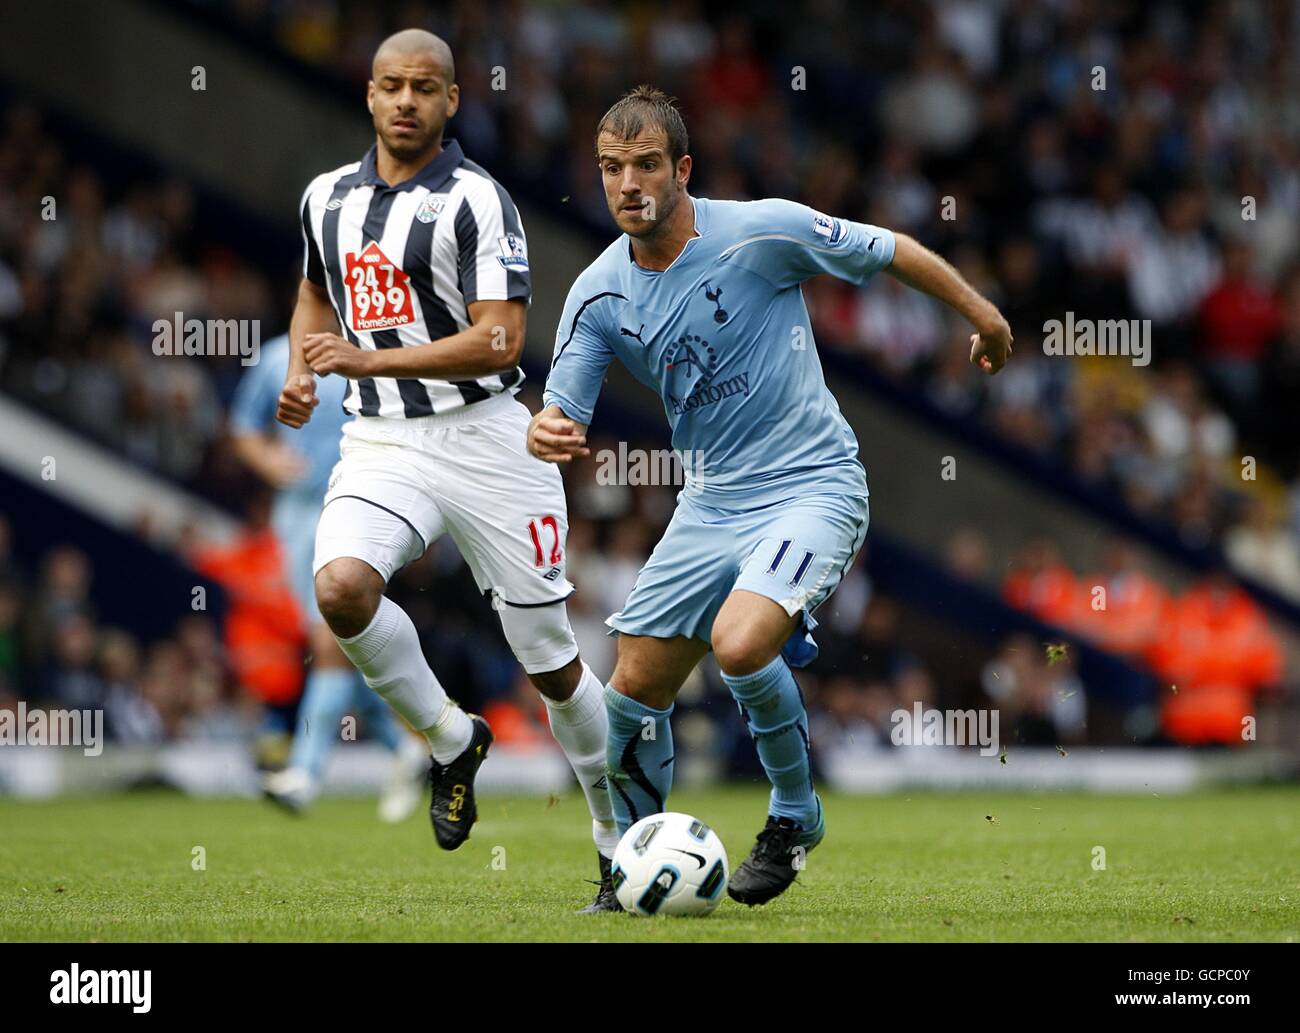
512 724
1215 652
1211 648
1134 616
1051 593
264 630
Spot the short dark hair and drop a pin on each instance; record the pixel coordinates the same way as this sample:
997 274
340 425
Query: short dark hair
646 107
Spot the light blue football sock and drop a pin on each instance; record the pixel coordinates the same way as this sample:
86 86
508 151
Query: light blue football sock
638 758
773 707
324 701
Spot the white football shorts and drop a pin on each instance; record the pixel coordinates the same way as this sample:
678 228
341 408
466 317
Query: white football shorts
467 472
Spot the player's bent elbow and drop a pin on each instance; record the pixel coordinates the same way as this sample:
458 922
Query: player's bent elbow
506 352
313 289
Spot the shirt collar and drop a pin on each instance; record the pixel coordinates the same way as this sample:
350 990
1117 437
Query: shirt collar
431 176
699 212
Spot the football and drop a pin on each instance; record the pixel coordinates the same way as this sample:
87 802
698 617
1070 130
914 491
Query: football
669 864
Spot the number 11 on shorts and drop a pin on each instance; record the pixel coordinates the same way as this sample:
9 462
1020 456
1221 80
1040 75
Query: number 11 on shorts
535 528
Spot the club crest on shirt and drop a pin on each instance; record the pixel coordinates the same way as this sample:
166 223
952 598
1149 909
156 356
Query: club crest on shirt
513 255
431 207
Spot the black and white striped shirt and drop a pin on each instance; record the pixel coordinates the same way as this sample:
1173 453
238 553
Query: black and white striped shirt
402 264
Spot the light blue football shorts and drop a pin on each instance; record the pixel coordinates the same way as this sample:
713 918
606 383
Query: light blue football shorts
794 552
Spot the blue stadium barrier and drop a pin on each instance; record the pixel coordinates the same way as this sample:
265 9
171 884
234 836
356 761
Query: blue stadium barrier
135 586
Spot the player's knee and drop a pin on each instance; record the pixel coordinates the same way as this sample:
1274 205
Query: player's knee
542 640
741 650
635 680
560 684
347 596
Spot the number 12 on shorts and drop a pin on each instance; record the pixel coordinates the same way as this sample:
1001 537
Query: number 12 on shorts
536 529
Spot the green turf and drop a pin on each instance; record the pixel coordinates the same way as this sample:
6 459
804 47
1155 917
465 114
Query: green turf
1213 866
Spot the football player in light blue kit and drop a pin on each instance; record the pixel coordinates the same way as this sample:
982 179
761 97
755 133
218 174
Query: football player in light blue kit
701 301
298 464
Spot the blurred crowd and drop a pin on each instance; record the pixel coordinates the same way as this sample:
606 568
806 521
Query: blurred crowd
87 264
1170 195
56 650
1209 647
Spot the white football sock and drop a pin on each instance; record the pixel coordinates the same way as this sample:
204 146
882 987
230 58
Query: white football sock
580 727
605 833
389 657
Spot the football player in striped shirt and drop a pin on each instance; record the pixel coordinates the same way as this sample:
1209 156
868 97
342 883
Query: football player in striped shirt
415 288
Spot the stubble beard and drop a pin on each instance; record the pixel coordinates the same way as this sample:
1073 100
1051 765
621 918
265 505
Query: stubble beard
658 225
406 151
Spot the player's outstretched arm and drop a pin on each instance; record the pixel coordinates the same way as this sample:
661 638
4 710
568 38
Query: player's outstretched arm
312 313
554 437
919 267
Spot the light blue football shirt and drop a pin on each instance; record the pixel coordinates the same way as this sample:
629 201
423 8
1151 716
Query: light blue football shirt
252 411
723 336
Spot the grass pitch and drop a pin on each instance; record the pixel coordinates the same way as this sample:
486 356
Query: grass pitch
1216 866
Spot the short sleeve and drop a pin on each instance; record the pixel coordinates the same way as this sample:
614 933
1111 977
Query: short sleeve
788 243
492 252
582 355
313 268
